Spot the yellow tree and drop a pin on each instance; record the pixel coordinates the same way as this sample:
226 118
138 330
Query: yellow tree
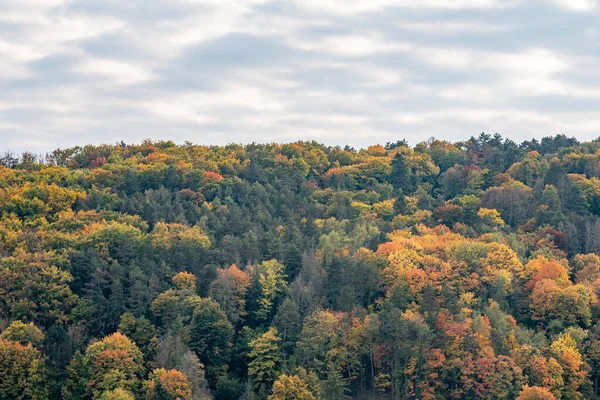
290 388
22 372
272 284
535 393
574 368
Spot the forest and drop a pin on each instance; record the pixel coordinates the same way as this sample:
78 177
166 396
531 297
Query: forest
300 271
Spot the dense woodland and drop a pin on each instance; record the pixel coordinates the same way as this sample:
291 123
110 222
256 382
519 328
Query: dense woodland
465 270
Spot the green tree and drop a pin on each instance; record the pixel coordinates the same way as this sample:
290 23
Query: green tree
117 394
400 177
334 387
210 336
22 333
265 358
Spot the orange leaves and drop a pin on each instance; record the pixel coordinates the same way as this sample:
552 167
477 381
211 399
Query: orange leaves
155 157
535 393
376 150
212 176
439 257
112 358
114 362
22 374
229 290
554 296
98 162
549 270
570 304
586 268
173 383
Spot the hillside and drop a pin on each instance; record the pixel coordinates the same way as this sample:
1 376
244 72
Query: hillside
465 270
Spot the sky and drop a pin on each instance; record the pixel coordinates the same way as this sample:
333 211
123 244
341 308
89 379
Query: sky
74 72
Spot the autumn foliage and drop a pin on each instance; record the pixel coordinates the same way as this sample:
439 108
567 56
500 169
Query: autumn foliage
467 270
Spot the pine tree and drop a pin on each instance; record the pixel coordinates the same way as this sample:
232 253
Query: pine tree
400 177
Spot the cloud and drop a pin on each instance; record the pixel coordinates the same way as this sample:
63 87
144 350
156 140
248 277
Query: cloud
358 7
120 72
353 45
219 71
577 5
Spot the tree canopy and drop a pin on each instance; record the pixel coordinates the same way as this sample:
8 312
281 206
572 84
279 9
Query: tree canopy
466 270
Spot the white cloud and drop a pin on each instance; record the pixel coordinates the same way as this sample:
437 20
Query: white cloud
352 45
577 5
119 72
447 58
533 62
199 107
18 52
440 27
362 6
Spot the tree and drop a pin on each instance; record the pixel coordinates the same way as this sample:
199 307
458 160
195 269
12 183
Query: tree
307 289
172 353
535 393
59 347
34 291
229 290
574 369
400 202
23 333
265 357
289 322
168 385
400 177
117 394
272 284
550 210
77 377
22 372
177 302
185 281
210 336
140 330
334 387
290 388
112 363
569 305
513 200
167 306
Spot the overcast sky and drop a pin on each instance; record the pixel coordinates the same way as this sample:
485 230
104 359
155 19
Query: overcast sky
353 72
